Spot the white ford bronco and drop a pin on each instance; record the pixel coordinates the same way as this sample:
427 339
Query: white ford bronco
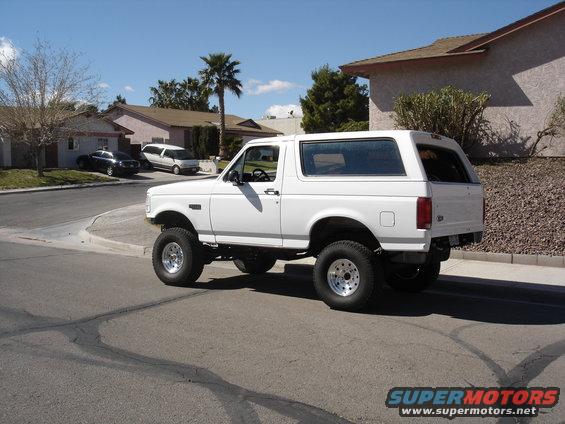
373 208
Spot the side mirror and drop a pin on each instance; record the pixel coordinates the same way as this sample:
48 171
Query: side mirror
233 177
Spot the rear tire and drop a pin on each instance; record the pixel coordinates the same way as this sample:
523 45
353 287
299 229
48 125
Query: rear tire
415 279
257 265
81 164
110 171
347 276
177 257
176 170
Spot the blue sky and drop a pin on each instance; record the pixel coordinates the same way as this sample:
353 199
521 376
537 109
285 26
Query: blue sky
130 44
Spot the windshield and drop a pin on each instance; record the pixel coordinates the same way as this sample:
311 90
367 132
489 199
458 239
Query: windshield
182 154
121 156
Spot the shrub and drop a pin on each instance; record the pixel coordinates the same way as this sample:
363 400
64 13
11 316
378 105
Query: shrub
205 141
354 126
449 111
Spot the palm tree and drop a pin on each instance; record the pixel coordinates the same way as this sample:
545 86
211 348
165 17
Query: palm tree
220 75
164 94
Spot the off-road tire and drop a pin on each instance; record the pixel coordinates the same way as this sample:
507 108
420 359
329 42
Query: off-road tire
423 277
193 263
369 270
257 265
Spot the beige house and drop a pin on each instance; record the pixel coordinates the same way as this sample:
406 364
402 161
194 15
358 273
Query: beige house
174 126
522 67
286 126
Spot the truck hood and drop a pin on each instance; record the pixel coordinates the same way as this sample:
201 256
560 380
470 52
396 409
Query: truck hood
201 186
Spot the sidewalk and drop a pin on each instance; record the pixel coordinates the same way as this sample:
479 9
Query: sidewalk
127 230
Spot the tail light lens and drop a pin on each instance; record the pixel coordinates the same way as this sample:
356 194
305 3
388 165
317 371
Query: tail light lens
424 213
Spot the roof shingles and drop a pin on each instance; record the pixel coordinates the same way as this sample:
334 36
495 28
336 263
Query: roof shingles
189 118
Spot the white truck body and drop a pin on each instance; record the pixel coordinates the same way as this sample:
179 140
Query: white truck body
282 213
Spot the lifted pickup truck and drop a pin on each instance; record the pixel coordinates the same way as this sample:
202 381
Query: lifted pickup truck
374 208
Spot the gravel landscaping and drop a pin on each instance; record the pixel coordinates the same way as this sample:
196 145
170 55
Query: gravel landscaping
525 206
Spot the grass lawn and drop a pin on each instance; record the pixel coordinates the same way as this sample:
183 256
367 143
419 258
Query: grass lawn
26 178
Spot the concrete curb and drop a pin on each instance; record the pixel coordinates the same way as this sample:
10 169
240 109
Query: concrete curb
132 249
68 187
510 258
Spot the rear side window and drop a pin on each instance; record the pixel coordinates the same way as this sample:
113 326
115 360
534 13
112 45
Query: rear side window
442 165
372 157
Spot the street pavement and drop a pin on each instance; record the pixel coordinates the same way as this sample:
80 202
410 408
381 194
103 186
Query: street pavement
95 337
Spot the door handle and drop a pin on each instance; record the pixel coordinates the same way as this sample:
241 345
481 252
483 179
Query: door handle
272 192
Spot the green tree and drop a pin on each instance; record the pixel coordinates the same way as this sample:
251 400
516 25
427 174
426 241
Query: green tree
189 94
334 99
220 75
449 111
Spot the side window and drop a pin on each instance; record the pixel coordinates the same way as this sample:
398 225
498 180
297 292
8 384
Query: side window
261 164
374 157
107 155
168 153
157 150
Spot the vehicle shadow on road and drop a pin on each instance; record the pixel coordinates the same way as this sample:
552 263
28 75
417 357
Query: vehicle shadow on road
499 305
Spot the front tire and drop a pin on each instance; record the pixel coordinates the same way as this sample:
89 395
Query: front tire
347 275
415 279
177 257
259 264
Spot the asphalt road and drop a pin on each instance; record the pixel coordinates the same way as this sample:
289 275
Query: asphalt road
40 209
89 337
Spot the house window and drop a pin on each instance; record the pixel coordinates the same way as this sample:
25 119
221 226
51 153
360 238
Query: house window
157 140
102 144
72 144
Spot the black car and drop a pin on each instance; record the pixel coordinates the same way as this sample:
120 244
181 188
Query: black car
111 163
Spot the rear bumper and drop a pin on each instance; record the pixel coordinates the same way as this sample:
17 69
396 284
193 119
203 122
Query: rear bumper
440 249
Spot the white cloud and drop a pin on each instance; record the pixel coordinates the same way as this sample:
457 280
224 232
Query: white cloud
257 87
129 88
283 111
104 85
7 50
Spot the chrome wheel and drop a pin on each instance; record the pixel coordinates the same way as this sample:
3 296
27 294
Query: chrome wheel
172 257
343 277
176 170
110 171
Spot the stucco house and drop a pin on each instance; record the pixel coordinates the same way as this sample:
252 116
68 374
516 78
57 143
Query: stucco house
174 126
88 132
521 65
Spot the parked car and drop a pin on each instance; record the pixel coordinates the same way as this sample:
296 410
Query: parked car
372 207
111 163
169 158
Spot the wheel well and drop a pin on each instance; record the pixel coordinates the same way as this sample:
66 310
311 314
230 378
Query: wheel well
171 219
335 228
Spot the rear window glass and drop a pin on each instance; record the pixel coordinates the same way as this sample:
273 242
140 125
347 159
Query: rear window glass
351 157
442 165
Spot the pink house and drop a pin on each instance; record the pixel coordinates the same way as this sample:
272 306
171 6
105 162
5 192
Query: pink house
521 65
174 126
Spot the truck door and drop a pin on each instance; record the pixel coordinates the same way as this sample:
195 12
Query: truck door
249 212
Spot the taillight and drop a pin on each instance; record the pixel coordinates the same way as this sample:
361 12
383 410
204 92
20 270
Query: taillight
424 213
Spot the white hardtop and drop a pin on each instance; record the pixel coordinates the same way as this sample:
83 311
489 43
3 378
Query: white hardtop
418 136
